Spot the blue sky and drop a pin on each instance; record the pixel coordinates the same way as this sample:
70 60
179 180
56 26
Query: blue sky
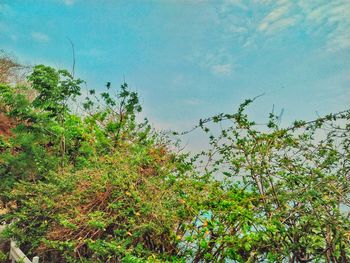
191 59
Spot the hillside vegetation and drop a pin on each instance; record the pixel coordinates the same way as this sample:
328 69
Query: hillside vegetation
87 182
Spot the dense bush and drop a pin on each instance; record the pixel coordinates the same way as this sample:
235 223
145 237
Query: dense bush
98 186
301 177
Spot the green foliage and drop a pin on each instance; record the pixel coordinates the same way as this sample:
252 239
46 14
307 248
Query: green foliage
55 88
300 178
97 186
128 203
3 256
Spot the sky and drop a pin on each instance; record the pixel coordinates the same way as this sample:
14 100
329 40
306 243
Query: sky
190 59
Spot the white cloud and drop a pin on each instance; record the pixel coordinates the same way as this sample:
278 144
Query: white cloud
328 20
331 19
68 2
236 29
40 37
280 25
278 18
339 40
223 69
275 14
193 101
220 62
237 3
248 23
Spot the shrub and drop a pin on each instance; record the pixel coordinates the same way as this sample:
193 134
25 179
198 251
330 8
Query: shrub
98 186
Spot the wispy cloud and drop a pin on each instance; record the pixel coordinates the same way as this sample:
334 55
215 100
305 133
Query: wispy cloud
40 37
193 101
68 2
223 69
329 20
274 15
332 18
280 25
237 3
220 62
277 20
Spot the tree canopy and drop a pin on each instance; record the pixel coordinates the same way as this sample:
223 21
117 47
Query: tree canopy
96 185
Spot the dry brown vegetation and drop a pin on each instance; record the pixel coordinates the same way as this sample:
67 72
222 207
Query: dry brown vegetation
10 69
5 125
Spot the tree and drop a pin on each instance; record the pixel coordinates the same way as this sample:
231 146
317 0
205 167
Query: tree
116 192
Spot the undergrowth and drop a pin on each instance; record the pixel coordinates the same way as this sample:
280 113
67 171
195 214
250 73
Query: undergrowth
96 185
